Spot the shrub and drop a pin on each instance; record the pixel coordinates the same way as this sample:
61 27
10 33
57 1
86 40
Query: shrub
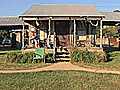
50 57
11 57
84 56
19 57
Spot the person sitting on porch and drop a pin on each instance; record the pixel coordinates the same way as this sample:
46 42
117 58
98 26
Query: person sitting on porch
49 42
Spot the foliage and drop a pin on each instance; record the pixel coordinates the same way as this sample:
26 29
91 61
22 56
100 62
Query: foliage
14 57
113 60
50 57
111 31
6 65
4 33
18 57
84 56
116 11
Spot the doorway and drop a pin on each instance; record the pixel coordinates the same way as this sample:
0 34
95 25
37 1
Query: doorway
62 29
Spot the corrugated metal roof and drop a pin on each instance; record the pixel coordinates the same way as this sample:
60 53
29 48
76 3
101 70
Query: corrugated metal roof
62 10
111 16
10 21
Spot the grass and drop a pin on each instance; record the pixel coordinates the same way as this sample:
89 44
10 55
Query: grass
112 64
59 80
27 66
16 66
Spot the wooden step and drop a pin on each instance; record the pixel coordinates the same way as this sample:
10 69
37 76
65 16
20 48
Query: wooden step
63 59
63 55
62 52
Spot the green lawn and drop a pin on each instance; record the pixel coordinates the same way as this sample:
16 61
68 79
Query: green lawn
59 80
112 64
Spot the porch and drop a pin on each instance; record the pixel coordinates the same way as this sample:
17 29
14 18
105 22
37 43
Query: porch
60 36
62 33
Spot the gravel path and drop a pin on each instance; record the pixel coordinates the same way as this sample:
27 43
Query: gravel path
62 66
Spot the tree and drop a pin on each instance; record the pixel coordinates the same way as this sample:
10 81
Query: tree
4 33
111 31
116 11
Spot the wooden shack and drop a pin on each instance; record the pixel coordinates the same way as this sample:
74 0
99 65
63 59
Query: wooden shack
71 25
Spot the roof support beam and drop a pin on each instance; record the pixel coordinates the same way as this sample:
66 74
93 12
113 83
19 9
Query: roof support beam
70 30
74 33
49 31
49 26
23 35
101 33
54 33
61 18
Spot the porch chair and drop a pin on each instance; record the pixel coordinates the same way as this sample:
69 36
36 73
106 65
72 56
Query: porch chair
39 54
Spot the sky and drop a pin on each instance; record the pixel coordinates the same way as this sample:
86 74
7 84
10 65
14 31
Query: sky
18 7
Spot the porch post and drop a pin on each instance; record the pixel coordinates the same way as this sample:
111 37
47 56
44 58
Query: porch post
95 37
70 31
49 31
100 33
54 33
53 26
29 34
74 33
49 26
90 35
23 34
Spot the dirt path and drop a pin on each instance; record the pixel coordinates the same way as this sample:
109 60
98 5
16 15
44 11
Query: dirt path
62 66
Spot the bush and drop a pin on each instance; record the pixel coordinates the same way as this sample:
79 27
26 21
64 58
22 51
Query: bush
84 56
50 57
19 57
